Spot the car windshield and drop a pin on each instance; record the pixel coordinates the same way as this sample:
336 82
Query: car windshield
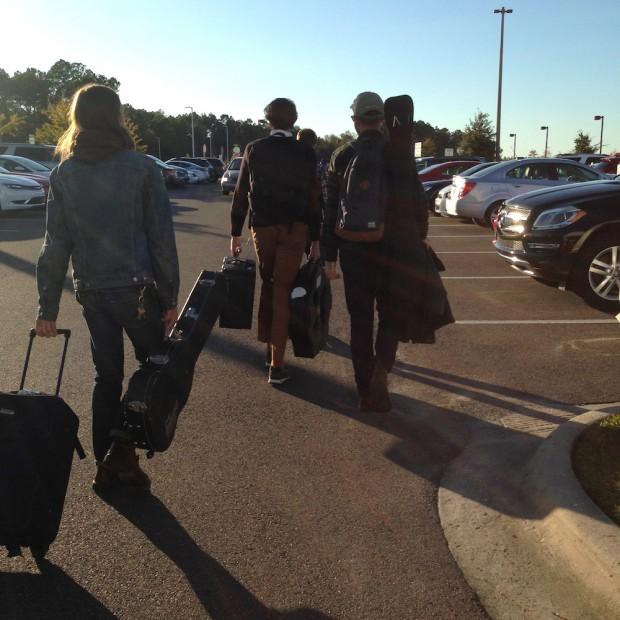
235 164
475 169
31 165
480 173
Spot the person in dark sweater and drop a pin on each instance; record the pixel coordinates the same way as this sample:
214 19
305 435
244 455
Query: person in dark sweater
277 184
368 266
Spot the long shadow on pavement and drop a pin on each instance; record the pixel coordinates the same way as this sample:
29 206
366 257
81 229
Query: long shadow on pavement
52 595
221 595
431 436
27 267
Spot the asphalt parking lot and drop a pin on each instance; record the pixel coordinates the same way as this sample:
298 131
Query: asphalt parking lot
515 332
287 503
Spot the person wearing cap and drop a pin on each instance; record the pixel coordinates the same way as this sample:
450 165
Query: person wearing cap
277 184
363 268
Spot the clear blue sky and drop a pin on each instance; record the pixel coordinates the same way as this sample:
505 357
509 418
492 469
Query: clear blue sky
561 61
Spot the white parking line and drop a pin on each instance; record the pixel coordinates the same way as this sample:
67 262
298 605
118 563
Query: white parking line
544 322
486 278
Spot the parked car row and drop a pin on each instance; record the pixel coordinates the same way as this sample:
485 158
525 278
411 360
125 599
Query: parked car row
480 194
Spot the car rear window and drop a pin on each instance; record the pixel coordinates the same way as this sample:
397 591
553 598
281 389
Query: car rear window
37 153
235 164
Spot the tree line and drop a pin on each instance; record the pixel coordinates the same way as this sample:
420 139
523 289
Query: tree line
36 103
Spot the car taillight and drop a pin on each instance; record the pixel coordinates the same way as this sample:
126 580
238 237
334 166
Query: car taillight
464 188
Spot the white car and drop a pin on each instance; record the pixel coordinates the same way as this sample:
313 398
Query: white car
196 173
20 193
480 195
440 200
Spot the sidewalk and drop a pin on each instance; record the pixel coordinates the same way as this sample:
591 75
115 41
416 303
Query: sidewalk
528 539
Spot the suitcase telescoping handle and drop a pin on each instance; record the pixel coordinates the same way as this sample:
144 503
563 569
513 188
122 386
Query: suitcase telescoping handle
63 332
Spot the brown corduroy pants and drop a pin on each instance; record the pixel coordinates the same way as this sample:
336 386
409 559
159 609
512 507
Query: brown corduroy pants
279 249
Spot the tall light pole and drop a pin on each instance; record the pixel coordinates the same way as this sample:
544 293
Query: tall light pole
225 123
209 135
503 11
158 146
600 117
545 128
189 107
514 145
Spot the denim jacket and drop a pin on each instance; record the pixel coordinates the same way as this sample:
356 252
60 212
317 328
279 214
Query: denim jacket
113 219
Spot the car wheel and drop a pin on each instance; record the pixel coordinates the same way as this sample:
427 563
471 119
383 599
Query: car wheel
490 214
596 275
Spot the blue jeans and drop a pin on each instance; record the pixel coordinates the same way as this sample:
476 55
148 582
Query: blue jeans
109 312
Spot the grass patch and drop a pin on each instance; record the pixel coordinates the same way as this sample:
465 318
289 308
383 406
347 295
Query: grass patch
596 461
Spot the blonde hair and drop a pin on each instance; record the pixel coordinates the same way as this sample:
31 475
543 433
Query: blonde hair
93 107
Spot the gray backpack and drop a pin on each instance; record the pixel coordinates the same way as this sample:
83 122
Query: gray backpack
363 196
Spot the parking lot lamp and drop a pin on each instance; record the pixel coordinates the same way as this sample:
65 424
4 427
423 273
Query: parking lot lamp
514 145
158 146
225 123
600 117
503 11
210 136
189 107
545 128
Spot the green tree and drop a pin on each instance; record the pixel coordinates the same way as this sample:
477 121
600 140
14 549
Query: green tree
132 128
64 78
57 123
429 147
533 153
28 91
10 125
478 137
583 143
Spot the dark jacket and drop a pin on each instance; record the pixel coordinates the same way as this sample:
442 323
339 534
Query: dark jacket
278 184
417 301
113 219
337 166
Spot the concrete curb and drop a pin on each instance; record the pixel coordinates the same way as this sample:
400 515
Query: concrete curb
575 526
528 539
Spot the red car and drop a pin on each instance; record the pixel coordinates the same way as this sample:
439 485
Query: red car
43 181
609 165
446 170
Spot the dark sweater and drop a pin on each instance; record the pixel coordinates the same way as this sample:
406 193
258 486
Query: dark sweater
278 185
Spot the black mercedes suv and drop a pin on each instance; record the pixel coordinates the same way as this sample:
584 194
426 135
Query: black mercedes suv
568 235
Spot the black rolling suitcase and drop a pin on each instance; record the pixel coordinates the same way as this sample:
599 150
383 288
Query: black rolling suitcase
158 391
310 304
240 275
38 435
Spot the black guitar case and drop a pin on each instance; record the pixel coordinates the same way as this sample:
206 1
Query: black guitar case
310 305
158 391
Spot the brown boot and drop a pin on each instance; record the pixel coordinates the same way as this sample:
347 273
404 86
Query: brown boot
379 398
122 461
104 480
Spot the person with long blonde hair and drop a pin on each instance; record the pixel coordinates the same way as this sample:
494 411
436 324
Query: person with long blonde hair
108 211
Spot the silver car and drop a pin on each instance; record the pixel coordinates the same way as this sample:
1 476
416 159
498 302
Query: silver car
480 195
230 176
